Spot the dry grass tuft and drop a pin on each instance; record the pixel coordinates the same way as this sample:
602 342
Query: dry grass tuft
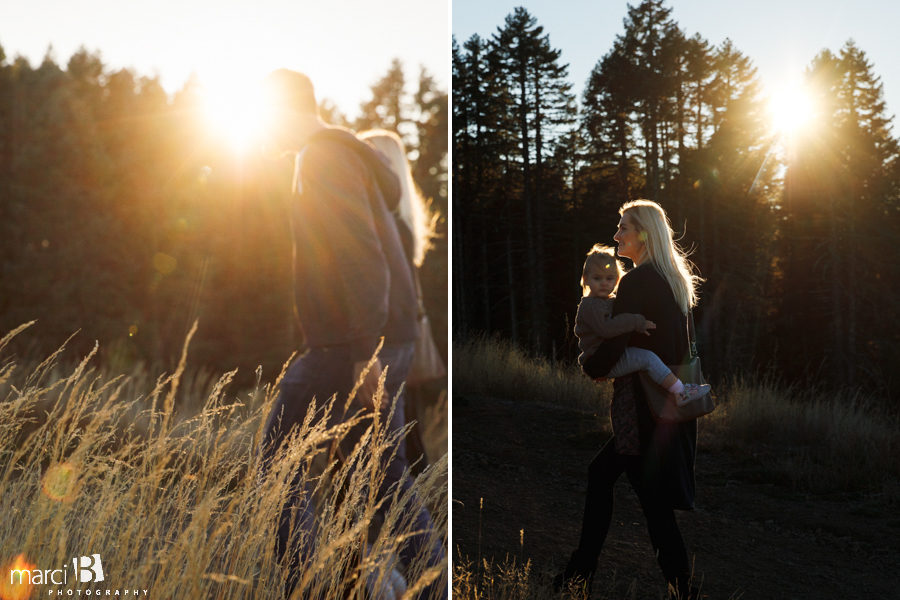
495 367
168 494
818 440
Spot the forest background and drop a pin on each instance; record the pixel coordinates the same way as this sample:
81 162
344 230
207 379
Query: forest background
124 217
794 232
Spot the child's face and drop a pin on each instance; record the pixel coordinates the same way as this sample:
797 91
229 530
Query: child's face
602 280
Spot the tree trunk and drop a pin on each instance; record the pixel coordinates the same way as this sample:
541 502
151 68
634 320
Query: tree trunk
511 290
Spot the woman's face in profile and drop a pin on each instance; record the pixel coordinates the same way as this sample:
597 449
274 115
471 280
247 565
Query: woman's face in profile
628 239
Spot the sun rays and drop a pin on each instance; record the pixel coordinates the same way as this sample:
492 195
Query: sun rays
792 109
236 112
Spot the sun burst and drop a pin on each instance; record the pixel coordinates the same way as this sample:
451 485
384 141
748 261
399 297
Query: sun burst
236 113
792 109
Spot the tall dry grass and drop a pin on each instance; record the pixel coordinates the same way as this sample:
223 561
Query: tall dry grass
496 367
818 440
821 440
165 489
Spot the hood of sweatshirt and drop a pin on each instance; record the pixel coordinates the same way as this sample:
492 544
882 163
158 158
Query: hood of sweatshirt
384 176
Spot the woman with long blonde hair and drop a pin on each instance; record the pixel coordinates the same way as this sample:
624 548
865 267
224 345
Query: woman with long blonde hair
657 457
659 247
416 228
412 210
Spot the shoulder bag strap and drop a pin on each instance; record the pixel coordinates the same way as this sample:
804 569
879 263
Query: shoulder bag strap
415 274
692 334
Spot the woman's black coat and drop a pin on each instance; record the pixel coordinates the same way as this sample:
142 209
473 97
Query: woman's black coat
668 449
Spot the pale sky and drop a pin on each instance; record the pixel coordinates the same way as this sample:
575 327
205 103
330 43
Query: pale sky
780 36
343 45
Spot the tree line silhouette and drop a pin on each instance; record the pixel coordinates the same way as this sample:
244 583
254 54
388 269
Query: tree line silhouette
123 217
794 235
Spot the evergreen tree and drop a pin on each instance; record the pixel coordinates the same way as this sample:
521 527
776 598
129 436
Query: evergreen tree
483 187
432 123
609 128
651 42
543 108
726 191
385 109
841 188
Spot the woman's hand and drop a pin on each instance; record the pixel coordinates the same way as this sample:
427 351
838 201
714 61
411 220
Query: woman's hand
648 325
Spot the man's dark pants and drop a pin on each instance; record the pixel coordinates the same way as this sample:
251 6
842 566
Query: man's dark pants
321 373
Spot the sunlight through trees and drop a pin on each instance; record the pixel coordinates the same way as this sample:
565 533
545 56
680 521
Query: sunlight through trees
788 199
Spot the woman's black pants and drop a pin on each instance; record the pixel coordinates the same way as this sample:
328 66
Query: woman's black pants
605 469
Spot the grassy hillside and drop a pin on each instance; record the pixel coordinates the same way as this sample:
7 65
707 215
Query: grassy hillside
832 440
775 463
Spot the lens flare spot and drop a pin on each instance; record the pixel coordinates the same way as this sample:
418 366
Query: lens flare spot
60 482
15 587
164 264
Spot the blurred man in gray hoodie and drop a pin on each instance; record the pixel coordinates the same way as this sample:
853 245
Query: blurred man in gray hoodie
353 285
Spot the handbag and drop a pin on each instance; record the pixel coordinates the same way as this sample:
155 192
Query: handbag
427 364
662 403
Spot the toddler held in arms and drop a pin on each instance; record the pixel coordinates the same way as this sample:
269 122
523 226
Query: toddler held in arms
594 323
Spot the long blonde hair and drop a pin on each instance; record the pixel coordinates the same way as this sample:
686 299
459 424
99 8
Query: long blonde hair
662 252
412 209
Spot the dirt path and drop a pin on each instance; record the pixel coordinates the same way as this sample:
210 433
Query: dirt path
751 537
